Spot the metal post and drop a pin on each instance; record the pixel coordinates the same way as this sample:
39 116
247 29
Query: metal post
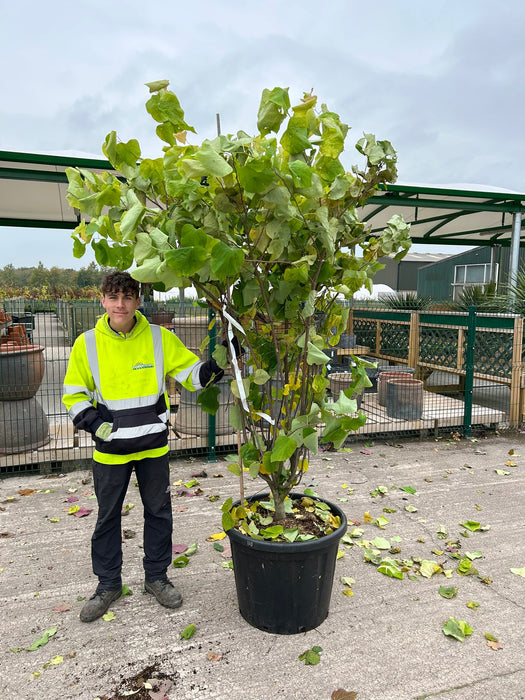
212 438
469 370
514 253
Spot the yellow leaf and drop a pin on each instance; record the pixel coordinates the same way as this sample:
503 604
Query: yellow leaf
510 463
110 615
303 465
340 554
344 486
368 518
348 592
73 509
177 483
216 536
55 661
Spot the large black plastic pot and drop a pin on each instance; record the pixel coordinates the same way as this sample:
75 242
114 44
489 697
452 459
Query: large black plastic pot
285 587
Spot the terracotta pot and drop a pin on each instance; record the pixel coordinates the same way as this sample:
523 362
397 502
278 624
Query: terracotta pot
21 371
383 379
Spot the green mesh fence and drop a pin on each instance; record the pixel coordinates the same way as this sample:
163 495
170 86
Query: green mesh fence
36 434
462 372
452 375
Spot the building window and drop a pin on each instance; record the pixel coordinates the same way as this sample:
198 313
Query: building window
471 276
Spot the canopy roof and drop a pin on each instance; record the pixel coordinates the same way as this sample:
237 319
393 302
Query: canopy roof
33 194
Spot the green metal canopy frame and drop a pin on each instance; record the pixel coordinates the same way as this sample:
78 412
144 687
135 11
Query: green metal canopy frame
33 195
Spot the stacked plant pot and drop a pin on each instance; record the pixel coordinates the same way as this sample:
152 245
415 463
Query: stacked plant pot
24 425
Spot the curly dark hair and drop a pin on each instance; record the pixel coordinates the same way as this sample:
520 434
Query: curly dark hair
118 281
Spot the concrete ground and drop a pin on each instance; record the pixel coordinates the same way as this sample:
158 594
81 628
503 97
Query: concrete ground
383 643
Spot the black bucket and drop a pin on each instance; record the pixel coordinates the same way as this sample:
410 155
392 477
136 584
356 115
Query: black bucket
404 398
285 587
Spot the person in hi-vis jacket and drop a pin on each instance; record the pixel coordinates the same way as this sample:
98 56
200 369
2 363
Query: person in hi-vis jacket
115 389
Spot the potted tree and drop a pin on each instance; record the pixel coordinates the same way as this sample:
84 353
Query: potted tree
266 229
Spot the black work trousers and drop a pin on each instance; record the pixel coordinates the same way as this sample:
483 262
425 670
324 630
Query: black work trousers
111 483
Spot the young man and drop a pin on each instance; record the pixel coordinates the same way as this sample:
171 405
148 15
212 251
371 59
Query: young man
115 389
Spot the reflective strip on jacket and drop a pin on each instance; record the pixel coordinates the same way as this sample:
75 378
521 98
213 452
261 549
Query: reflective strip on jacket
121 380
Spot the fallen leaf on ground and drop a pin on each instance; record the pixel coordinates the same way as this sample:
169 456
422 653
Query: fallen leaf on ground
458 629
179 548
342 694
216 536
311 657
214 656
110 615
496 646
62 608
26 492
188 632
54 661
519 572
44 639
82 512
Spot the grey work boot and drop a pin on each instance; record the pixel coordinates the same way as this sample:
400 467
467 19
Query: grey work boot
165 592
98 604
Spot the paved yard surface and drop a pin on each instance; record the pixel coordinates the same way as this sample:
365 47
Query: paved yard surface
385 642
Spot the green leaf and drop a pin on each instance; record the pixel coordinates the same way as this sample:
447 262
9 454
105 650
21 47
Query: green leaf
315 356
458 629
291 535
283 449
447 591
255 176
225 261
157 85
188 632
192 549
380 543
181 562
311 657
130 221
272 533
227 521
213 163
390 568
186 261
471 525
302 173
272 109
408 489
44 639
126 591
260 377
519 572
208 399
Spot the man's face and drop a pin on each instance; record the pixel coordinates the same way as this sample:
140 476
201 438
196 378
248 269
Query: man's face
120 307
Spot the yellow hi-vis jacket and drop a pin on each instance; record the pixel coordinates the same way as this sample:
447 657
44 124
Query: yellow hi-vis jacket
120 379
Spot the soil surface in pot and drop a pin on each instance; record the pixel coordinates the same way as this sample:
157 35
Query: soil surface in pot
304 517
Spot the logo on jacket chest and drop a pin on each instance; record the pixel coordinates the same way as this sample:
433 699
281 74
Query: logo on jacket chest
143 365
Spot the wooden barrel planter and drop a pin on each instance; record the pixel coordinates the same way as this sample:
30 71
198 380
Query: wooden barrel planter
404 398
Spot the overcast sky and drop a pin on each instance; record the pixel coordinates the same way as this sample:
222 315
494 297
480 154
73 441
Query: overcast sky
443 81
